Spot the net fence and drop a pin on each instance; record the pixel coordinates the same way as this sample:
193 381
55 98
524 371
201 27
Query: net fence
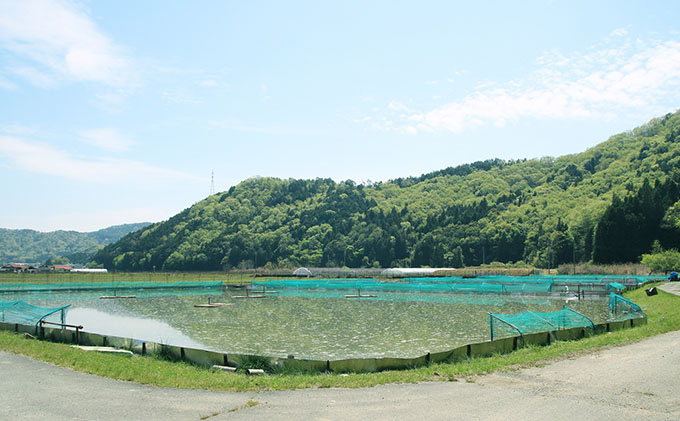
84 286
491 284
24 313
503 325
622 308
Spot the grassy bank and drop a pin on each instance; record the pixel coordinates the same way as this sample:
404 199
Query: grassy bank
661 309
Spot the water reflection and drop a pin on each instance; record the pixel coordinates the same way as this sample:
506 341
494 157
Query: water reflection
109 324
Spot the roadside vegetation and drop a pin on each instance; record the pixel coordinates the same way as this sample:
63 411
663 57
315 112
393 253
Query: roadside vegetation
155 370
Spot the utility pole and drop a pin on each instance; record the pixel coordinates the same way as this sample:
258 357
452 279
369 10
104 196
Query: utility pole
573 255
550 257
212 183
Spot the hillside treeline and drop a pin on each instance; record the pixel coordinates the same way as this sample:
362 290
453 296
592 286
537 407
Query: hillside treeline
29 246
607 204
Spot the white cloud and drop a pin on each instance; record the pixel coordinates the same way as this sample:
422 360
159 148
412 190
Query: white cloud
397 106
33 76
17 129
208 83
108 139
112 101
264 92
43 159
180 96
600 83
619 32
57 39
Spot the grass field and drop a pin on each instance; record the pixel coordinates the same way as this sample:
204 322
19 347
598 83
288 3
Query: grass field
661 310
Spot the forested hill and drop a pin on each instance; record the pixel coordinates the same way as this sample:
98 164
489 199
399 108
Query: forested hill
29 246
541 211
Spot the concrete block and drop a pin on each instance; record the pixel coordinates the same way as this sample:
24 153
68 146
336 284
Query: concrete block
356 365
7 326
303 365
382 364
614 326
601 328
639 321
504 345
488 348
202 357
139 347
91 339
59 335
452 355
569 334
538 339
118 342
33 330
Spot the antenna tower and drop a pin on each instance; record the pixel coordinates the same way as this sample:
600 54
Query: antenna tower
212 183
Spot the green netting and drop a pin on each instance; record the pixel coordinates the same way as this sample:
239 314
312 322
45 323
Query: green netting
598 279
615 286
489 284
623 309
455 285
532 321
81 286
27 314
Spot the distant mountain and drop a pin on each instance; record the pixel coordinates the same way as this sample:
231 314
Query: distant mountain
606 204
31 246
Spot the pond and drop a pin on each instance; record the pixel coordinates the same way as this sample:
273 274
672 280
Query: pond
312 324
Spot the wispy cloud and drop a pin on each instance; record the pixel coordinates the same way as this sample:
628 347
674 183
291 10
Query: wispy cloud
108 139
41 158
18 130
604 81
33 76
55 39
267 129
208 83
180 96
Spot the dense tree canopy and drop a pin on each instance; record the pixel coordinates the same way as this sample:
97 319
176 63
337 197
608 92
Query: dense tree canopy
606 204
63 246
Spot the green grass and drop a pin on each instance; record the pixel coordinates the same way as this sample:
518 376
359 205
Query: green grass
661 310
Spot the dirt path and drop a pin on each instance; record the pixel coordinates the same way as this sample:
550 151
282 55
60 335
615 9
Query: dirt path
634 382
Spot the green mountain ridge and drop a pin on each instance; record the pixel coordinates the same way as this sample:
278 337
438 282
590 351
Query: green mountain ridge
542 212
25 245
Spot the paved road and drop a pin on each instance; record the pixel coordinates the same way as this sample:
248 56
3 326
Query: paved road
634 382
672 287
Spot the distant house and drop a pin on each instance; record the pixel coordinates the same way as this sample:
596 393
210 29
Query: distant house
62 268
14 267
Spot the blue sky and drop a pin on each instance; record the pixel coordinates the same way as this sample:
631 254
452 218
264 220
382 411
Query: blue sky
118 112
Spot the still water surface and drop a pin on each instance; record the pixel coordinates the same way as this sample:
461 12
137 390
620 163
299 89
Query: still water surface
308 324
